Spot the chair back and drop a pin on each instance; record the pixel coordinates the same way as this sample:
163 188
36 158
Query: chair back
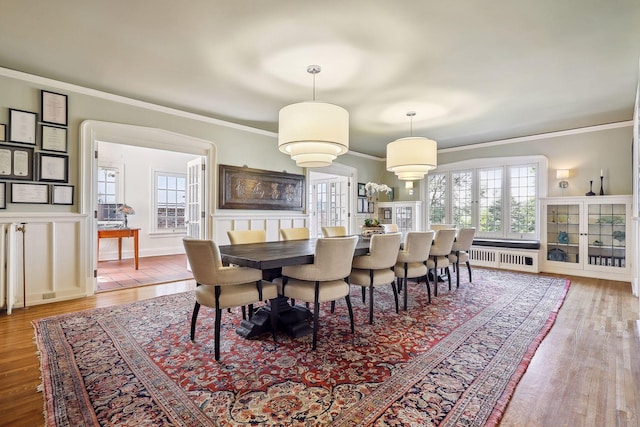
333 257
298 233
336 231
204 259
383 249
390 228
443 242
417 245
436 227
464 239
237 237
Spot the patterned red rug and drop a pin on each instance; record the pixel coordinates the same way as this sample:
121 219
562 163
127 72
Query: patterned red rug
454 362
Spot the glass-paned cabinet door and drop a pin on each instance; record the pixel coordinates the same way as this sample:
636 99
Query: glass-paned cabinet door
404 218
563 233
607 235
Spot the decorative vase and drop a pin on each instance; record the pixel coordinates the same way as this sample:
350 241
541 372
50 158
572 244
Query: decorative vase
601 186
590 193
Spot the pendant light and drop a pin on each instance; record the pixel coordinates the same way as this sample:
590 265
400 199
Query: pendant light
412 157
313 133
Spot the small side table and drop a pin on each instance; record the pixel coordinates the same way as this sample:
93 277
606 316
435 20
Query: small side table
119 233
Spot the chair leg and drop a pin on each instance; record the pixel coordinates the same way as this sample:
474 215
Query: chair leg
316 313
244 312
469 268
348 300
428 288
364 294
274 318
448 270
435 277
250 311
333 307
456 266
395 294
406 285
217 334
370 304
194 317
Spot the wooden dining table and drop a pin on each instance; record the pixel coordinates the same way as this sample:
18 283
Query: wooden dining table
270 257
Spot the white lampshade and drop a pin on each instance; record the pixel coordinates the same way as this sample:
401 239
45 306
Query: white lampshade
412 157
408 184
313 133
562 173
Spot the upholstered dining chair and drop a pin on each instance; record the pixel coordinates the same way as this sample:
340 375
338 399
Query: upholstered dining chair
390 228
222 287
412 260
297 233
238 237
376 268
439 255
460 251
324 280
436 227
335 231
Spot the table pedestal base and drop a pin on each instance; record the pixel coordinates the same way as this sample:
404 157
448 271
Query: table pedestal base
292 320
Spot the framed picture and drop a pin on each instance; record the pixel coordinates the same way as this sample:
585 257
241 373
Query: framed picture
3 195
29 193
62 194
3 132
22 126
246 188
362 191
53 167
54 108
16 162
387 214
362 205
54 138
371 207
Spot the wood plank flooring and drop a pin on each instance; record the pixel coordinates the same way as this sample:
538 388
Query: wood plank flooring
585 373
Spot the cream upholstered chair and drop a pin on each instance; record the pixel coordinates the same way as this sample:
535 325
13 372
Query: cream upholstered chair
324 280
460 251
439 255
390 228
237 237
298 233
375 268
436 227
336 231
224 287
412 259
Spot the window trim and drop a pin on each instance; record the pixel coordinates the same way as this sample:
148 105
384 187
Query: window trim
154 205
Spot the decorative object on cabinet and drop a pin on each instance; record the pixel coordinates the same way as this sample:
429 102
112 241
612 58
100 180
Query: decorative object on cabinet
246 188
313 133
557 254
563 237
22 126
601 184
54 108
590 193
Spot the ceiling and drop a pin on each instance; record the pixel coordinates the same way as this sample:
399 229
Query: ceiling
473 71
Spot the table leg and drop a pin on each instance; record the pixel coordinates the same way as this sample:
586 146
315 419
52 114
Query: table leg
119 248
135 248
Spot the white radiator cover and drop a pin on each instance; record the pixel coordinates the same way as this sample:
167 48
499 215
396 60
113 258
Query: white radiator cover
526 260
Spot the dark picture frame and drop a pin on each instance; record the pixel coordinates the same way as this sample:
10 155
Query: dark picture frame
372 206
3 195
257 189
53 167
362 191
54 108
29 193
16 162
62 194
362 205
53 138
22 126
3 132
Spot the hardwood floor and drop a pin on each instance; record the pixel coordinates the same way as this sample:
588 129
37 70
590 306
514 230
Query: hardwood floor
585 373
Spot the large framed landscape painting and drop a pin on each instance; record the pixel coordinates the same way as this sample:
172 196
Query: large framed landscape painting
246 188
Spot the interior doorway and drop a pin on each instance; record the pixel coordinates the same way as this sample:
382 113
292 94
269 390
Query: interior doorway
331 199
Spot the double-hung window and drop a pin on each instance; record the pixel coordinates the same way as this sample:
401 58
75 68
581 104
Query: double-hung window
170 199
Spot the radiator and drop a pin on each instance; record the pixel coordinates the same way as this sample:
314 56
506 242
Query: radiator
505 258
8 266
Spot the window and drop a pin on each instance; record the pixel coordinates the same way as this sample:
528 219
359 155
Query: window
497 196
107 184
170 201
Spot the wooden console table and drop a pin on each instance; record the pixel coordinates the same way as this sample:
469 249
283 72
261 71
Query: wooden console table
119 233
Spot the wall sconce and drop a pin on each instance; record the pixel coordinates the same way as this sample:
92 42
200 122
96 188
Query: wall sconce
409 186
562 174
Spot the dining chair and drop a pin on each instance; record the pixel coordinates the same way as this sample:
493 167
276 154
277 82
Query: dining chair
436 227
237 237
390 228
439 255
335 231
460 251
412 260
222 287
297 233
376 268
324 280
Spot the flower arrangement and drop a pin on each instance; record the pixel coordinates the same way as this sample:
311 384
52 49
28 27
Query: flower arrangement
371 188
371 222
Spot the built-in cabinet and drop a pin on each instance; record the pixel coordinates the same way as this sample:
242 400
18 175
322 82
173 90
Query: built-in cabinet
406 215
588 236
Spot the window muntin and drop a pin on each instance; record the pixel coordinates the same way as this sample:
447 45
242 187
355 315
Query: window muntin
107 185
462 198
490 185
437 191
170 201
522 201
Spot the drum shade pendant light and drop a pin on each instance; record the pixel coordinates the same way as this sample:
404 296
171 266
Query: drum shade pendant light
313 133
412 157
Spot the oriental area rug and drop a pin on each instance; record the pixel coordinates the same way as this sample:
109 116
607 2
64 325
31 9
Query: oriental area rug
453 362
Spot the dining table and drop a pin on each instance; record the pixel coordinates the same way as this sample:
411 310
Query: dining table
270 257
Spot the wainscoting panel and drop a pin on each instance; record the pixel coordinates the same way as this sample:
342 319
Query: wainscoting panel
270 222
